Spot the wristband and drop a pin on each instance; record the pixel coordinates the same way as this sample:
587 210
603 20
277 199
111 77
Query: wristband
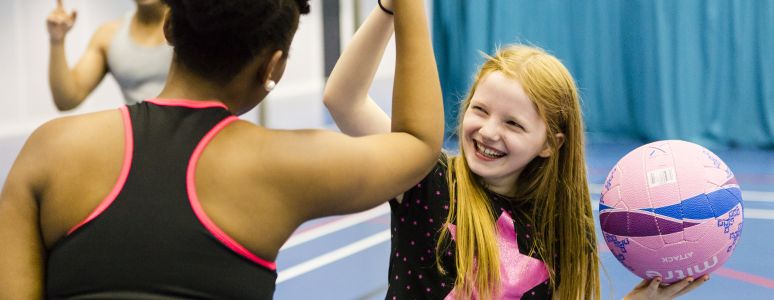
384 8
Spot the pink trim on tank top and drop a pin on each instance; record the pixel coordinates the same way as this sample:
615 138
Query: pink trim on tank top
193 198
128 150
187 103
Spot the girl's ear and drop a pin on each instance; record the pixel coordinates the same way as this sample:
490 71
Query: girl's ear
547 151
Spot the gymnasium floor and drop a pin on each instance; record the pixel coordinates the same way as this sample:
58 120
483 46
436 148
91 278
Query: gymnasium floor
345 257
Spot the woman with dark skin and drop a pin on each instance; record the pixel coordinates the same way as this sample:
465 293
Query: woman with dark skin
177 198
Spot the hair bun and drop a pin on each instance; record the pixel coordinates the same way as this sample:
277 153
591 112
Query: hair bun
207 16
217 37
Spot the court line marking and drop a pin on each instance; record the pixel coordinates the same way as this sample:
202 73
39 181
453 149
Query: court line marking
340 224
751 196
722 271
757 196
354 219
384 236
756 213
749 213
381 210
333 256
746 277
373 240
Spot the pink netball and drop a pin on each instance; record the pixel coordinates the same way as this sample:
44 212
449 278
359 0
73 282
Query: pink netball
671 209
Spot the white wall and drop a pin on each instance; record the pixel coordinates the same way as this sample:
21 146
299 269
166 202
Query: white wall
297 100
26 100
27 103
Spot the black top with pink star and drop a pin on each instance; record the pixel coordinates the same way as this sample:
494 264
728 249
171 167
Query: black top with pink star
416 224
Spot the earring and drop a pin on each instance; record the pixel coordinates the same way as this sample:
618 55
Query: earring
269 85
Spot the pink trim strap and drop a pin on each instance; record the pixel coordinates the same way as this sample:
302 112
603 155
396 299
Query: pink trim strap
128 150
187 103
223 237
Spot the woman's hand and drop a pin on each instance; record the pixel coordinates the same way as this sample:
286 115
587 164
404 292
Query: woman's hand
59 22
652 289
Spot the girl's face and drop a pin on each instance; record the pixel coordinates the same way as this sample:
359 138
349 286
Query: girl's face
502 132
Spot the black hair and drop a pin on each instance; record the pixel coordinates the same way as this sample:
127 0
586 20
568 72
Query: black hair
216 38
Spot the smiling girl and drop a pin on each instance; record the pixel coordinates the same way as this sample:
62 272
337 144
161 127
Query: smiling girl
508 218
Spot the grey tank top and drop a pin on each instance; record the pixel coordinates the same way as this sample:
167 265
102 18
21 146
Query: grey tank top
140 70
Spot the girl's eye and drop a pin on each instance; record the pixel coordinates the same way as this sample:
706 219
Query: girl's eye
478 108
514 124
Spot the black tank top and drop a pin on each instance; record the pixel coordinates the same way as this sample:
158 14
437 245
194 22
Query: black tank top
150 239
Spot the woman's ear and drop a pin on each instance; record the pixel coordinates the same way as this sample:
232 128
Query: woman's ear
272 72
547 151
168 28
275 67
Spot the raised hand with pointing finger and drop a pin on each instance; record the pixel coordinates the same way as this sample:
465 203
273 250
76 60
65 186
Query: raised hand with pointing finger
132 49
59 22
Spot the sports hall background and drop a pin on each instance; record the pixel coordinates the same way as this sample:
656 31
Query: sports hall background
698 70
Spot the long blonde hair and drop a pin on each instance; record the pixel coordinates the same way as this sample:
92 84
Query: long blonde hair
556 186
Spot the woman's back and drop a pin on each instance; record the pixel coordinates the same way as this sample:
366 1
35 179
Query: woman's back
160 195
149 236
86 156
159 198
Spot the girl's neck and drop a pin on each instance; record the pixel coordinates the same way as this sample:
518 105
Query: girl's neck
505 192
505 187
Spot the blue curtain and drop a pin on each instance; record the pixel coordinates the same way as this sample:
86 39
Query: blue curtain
698 70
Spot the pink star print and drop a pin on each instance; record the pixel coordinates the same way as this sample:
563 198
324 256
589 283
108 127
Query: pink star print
519 273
